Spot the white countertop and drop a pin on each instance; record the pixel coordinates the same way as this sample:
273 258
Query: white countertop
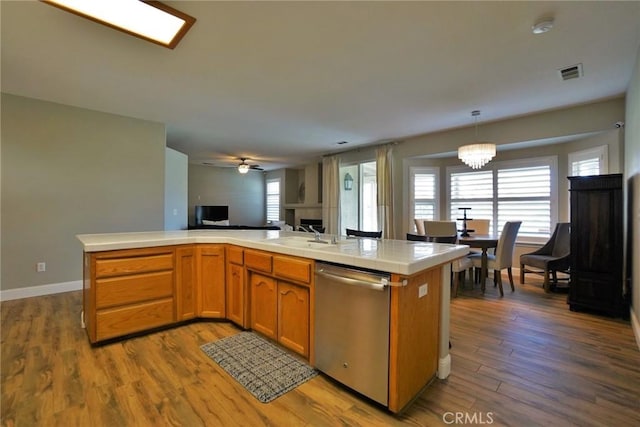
393 256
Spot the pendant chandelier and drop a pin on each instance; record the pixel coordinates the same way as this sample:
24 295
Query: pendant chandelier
478 154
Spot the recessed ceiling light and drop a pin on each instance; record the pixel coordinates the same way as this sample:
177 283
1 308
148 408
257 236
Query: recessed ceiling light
542 26
148 20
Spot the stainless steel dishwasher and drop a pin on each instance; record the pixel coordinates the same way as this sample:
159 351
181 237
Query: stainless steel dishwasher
352 328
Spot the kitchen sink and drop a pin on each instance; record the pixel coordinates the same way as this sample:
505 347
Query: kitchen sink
303 242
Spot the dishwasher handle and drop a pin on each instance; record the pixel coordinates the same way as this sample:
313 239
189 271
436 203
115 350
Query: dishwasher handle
376 286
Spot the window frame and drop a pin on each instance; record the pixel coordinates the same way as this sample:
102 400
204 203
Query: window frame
416 170
266 202
600 152
550 161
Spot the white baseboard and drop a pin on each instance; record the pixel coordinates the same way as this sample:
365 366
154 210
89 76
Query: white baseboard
36 291
635 325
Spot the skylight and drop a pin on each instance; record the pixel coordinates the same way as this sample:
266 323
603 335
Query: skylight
152 21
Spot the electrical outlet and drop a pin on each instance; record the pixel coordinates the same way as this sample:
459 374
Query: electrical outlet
423 290
41 266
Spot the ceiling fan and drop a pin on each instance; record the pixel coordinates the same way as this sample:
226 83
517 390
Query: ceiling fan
244 167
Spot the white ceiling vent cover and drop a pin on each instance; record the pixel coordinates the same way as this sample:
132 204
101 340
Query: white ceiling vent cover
572 72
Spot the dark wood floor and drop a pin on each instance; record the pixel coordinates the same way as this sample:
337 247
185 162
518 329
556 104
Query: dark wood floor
521 360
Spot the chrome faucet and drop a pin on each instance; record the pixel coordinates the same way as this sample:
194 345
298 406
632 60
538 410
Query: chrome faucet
316 232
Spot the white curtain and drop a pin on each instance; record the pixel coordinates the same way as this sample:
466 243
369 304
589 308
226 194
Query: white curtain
331 194
384 175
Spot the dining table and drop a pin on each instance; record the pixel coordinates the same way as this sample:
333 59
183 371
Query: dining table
483 242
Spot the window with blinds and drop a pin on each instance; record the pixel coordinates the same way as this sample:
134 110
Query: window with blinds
471 190
592 161
508 191
423 189
524 194
273 200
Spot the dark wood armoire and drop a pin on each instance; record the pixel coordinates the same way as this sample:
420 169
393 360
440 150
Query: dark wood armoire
597 244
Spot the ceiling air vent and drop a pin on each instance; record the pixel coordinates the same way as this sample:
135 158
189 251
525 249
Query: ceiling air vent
572 72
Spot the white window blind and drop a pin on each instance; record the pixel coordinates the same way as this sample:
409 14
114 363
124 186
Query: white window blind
524 194
508 191
592 161
585 167
273 200
424 194
471 190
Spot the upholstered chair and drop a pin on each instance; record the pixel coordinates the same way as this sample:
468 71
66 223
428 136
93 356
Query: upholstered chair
503 258
550 258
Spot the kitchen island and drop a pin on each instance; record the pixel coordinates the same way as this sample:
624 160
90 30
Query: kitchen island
264 280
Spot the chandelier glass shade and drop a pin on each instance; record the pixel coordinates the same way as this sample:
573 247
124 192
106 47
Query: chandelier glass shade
243 168
477 155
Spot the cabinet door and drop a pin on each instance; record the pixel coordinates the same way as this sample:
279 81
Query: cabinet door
235 294
211 281
264 301
186 283
293 317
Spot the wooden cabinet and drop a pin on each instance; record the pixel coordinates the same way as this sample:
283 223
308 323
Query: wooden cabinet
211 277
596 244
186 282
264 300
281 298
128 291
293 317
236 287
139 289
258 260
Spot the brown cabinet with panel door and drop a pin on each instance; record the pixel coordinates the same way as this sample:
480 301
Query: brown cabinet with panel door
128 291
293 317
236 292
264 302
597 245
186 282
281 298
211 281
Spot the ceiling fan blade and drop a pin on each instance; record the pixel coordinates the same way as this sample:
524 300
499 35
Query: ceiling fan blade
255 167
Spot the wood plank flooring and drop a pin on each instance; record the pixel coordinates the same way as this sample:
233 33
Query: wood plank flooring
521 360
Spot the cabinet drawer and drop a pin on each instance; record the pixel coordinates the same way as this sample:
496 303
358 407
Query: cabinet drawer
135 288
258 260
134 318
235 255
292 268
133 265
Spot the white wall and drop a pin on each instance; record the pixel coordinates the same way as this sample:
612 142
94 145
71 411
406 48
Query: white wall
68 171
632 176
243 193
176 183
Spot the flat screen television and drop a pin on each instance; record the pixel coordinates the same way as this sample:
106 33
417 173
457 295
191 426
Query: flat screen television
211 213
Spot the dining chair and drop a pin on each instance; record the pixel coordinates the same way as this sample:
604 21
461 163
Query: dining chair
503 257
550 258
360 233
479 226
458 268
432 239
440 228
419 226
416 237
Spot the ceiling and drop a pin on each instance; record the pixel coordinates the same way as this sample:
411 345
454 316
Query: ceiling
283 82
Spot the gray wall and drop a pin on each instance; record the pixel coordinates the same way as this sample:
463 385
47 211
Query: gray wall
632 175
243 193
176 183
68 171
